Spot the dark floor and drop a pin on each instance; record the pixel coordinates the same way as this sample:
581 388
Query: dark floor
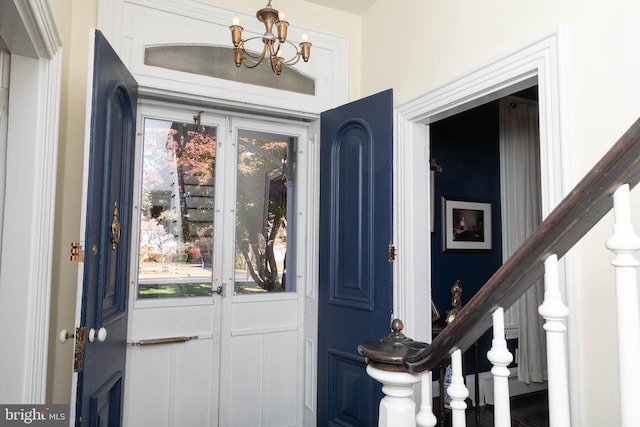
528 410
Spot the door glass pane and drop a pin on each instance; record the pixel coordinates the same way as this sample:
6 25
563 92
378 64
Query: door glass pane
176 224
264 195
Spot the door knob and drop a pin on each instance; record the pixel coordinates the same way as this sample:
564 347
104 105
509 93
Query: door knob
101 334
64 335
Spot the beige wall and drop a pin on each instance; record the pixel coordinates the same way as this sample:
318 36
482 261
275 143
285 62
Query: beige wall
74 18
599 86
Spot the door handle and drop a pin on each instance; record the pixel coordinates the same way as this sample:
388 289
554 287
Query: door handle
115 228
221 290
64 335
158 341
100 334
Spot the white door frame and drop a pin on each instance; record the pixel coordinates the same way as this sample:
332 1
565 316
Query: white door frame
30 34
537 63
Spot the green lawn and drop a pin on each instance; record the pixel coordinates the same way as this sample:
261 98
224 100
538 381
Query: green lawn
175 290
179 290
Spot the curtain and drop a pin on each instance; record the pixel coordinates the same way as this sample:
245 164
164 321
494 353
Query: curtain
521 207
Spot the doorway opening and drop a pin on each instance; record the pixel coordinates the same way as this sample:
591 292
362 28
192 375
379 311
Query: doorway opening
488 156
534 64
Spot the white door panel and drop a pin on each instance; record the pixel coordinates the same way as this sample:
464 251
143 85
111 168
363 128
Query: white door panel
147 392
172 384
263 375
264 316
167 322
265 379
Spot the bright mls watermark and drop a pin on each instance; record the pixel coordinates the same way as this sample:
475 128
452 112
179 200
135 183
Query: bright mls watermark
36 415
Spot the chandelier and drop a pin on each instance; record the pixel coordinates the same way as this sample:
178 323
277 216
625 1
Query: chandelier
272 47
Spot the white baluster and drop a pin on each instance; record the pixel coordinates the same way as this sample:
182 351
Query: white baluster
624 243
425 417
500 357
555 313
457 391
397 408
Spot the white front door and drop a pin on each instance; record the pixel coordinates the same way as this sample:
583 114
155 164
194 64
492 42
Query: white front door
215 330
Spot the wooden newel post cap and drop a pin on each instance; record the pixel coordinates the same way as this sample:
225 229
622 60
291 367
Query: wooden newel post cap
397 326
389 353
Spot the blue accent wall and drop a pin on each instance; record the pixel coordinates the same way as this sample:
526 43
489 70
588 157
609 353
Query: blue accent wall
467 147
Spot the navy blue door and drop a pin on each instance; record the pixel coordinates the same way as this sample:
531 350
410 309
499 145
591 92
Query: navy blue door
355 276
107 240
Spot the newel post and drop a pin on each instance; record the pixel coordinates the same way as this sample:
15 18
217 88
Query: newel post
385 363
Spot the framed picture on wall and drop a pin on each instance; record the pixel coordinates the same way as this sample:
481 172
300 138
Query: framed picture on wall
466 225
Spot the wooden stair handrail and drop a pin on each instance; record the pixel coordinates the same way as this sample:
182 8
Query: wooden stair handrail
583 207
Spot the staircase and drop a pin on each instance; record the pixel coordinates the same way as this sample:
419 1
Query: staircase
399 362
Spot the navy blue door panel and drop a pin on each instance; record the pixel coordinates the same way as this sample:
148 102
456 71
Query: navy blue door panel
350 217
106 403
107 238
355 277
353 397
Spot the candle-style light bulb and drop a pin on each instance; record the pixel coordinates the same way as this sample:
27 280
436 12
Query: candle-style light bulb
305 47
282 27
236 31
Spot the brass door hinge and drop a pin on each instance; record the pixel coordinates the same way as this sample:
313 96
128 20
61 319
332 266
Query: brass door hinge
392 252
78 352
77 253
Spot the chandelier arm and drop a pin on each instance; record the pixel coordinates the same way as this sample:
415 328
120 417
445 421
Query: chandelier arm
275 49
253 56
294 60
252 64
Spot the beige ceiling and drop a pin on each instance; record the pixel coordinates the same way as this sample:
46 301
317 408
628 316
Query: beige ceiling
357 7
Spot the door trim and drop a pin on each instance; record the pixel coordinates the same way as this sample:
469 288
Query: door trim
36 71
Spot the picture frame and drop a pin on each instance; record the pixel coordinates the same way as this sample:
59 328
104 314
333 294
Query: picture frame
466 225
